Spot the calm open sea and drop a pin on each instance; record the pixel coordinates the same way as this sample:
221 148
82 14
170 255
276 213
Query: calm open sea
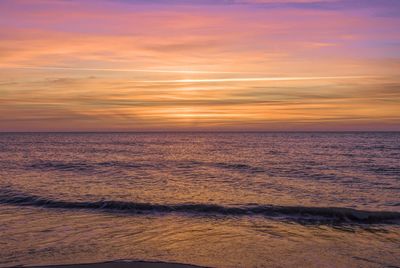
211 199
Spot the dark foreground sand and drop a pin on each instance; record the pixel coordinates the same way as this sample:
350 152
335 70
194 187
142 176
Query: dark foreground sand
123 264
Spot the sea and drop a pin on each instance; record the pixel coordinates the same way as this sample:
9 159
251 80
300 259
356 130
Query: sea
213 199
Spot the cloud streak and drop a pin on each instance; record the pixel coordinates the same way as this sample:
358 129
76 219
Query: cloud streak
253 79
50 68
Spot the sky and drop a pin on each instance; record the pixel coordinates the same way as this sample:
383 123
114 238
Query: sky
193 65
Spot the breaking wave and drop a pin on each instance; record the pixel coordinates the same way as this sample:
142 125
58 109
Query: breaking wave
322 215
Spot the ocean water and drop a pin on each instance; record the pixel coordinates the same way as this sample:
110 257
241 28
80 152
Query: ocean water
210 199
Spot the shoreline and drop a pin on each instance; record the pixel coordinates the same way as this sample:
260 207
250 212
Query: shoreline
118 264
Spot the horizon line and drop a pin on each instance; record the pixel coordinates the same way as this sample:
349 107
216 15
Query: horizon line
212 131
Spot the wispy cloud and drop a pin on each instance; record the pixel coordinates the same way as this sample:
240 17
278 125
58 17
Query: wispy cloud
252 79
51 68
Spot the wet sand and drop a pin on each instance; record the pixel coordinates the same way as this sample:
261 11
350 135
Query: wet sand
122 264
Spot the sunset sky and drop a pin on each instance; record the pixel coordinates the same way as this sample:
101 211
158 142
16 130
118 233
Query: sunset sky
143 65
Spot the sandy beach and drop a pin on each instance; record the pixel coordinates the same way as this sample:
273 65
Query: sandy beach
122 264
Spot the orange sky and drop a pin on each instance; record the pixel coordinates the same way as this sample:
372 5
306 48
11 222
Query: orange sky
116 65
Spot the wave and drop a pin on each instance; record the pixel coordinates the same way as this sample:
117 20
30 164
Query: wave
302 214
85 166
314 173
104 167
169 166
239 167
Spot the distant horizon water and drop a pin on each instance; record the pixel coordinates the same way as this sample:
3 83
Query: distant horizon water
205 131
